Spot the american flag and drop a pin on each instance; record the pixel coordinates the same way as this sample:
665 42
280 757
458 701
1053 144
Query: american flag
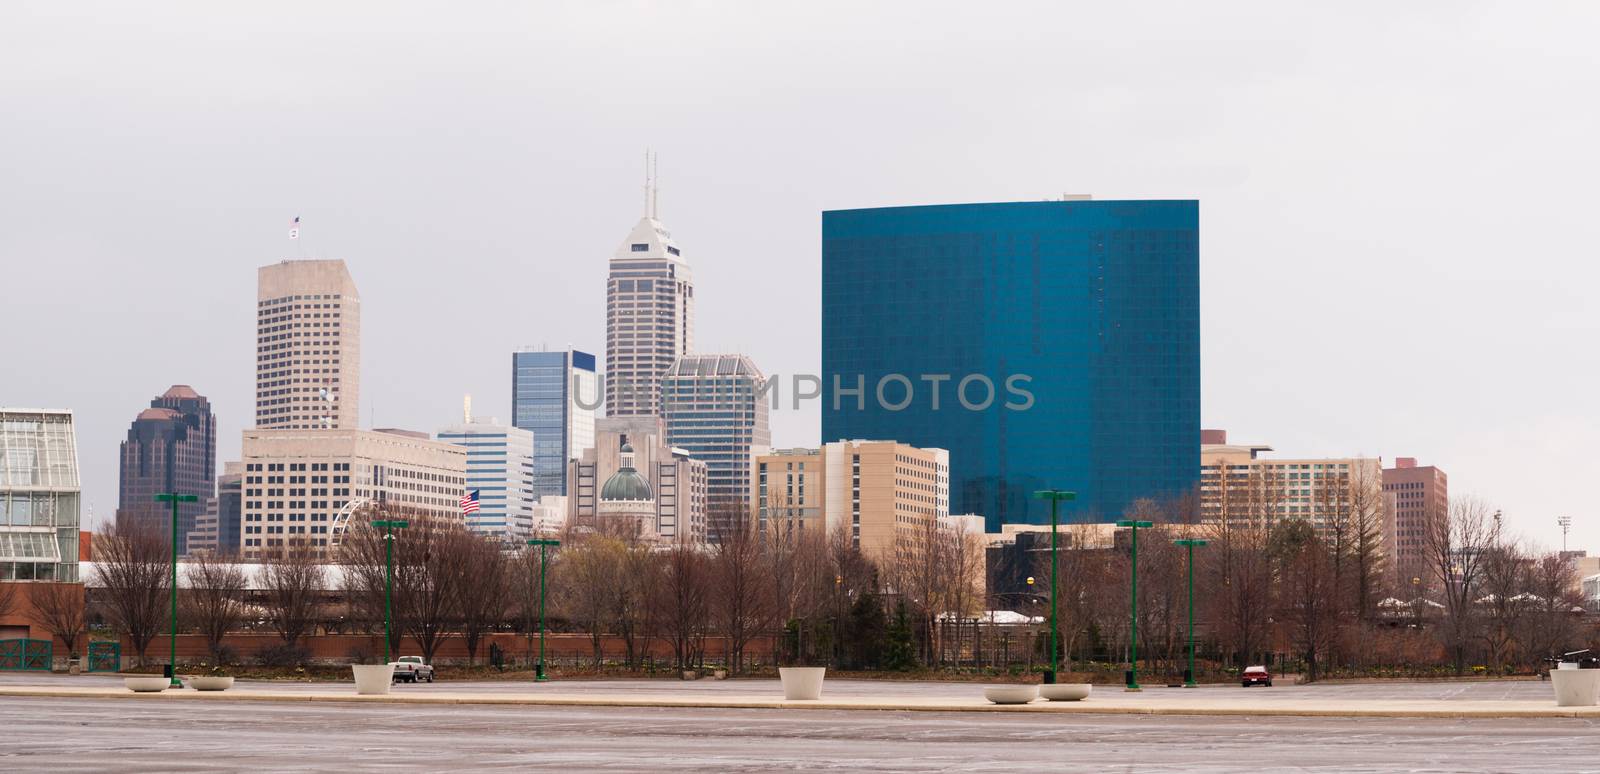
294 228
469 502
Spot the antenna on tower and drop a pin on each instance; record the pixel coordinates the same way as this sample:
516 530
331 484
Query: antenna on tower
466 408
1566 524
655 186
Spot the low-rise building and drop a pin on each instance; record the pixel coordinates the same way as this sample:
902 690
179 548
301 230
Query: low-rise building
885 495
302 485
1239 486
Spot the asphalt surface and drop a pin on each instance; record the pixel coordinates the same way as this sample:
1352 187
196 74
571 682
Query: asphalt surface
93 735
71 735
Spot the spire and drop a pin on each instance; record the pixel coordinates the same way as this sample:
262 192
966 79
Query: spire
652 184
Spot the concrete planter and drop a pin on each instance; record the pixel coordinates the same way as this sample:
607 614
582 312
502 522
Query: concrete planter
211 683
373 679
146 684
690 674
1011 694
1064 692
1576 687
802 683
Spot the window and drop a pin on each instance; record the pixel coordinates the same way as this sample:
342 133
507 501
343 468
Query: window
641 248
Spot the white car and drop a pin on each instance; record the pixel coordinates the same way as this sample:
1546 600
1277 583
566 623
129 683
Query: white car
412 669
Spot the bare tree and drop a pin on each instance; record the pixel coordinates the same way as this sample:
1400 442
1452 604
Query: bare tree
431 561
58 607
1502 600
214 601
362 554
133 565
1308 598
1238 568
1553 611
585 574
8 598
485 592
742 604
292 582
1455 549
681 602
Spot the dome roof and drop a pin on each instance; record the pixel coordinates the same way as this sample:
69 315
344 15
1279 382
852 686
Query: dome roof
626 484
156 413
180 391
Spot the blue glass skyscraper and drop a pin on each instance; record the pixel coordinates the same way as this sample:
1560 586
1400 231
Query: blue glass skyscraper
1044 344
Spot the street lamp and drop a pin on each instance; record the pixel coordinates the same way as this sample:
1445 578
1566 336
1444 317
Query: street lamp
542 543
1190 543
1133 606
172 655
388 526
1055 496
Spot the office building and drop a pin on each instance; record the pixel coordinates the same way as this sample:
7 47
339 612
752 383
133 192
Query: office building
171 447
1418 496
1239 486
554 396
888 496
39 495
677 480
217 530
713 408
500 468
649 317
303 485
308 346
1050 344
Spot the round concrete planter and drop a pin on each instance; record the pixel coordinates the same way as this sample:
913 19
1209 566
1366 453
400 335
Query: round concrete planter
801 683
211 683
146 684
1064 692
1011 694
1576 687
373 679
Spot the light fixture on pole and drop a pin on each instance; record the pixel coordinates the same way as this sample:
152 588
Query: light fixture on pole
172 654
1133 606
542 543
1190 543
1055 496
388 526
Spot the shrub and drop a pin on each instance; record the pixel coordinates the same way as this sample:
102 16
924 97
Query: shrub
282 656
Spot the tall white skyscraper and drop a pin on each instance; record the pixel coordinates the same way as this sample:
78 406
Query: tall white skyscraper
308 346
649 315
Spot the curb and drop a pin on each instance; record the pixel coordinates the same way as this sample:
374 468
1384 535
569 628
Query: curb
1062 708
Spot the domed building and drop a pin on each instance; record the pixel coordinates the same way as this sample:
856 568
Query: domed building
627 499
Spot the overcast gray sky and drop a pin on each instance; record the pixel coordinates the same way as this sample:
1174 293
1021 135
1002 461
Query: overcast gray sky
1397 200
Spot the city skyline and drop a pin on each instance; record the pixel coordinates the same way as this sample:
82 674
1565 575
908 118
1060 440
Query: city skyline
1340 317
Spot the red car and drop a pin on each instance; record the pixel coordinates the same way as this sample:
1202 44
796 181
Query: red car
1256 675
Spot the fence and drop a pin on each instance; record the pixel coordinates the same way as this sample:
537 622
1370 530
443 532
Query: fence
26 654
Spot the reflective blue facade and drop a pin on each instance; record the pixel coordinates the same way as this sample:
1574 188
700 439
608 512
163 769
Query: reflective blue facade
1092 308
542 401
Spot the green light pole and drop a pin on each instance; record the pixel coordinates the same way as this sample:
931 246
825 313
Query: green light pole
388 526
1133 606
1190 544
542 543
1055 496
172 656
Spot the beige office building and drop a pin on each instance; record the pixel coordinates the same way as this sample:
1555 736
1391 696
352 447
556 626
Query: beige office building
303 485
886 495
1240 486
308 346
